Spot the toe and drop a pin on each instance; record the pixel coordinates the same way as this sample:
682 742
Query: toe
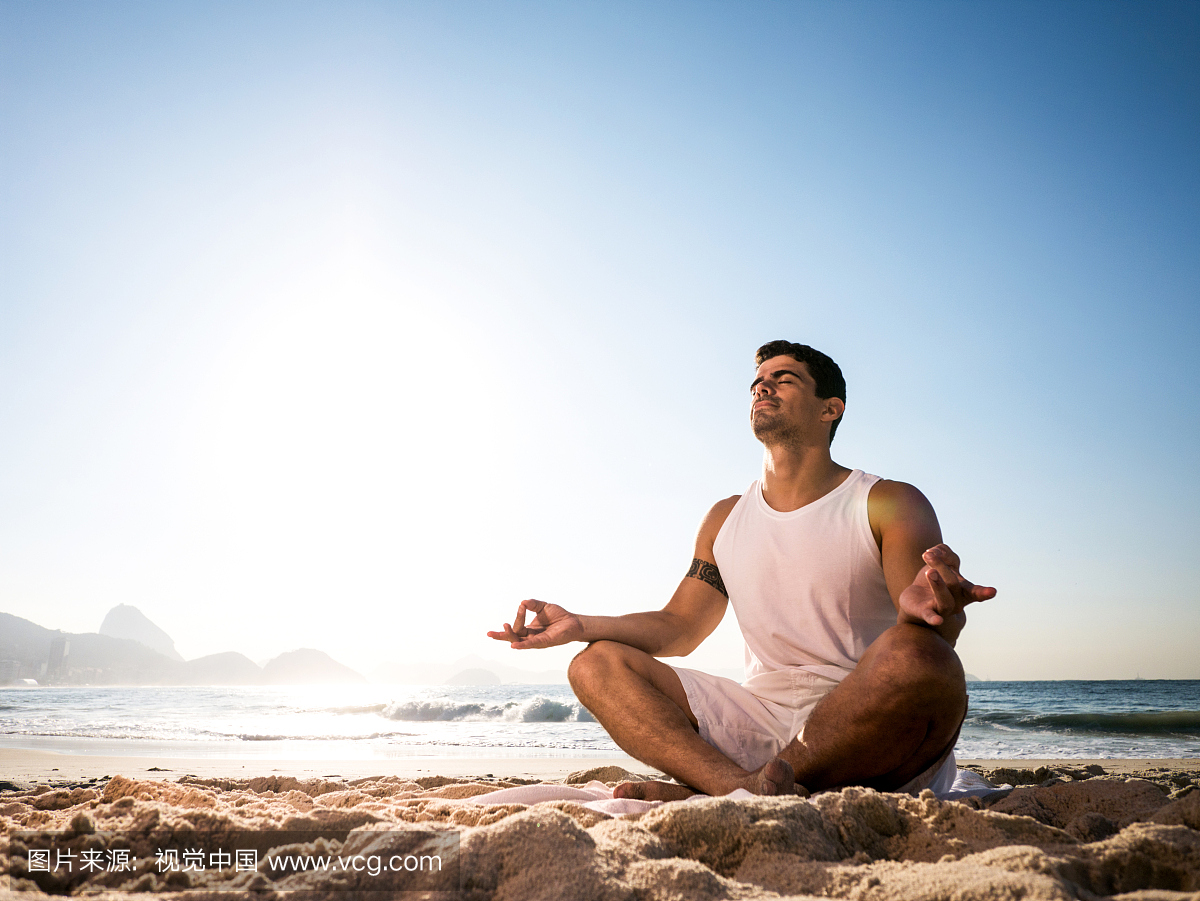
630 790
781 777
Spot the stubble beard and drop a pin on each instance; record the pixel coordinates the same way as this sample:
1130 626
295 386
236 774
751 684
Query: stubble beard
770 427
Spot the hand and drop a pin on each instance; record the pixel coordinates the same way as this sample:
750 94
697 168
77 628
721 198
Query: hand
939 591
551 625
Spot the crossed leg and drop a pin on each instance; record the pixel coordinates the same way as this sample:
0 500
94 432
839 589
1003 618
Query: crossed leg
885 724
642 704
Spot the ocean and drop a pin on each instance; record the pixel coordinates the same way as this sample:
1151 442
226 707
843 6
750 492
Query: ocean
1006 720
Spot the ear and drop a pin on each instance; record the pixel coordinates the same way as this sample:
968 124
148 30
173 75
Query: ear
834 407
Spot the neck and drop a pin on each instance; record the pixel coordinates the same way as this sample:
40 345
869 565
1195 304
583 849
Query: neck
794 477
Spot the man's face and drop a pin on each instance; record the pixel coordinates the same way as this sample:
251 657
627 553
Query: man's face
784 407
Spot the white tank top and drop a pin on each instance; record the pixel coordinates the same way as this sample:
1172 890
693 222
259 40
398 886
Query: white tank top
807 586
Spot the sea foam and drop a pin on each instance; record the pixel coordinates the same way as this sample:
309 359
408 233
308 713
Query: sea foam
538 709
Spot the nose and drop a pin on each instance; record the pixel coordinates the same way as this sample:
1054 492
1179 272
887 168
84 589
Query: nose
762 389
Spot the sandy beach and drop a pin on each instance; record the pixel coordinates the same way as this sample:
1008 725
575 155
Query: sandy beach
1066 829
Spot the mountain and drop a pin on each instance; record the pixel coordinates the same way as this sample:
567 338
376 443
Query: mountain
228 668
308 666
53 657
124 621
474 677
29 651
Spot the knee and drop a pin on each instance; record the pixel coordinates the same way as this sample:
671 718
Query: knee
915 655
591 665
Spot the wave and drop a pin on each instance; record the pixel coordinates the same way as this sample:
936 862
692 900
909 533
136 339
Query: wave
535 710
269 737
357 708
1142 722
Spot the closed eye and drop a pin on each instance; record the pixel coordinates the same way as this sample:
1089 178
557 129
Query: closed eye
777 376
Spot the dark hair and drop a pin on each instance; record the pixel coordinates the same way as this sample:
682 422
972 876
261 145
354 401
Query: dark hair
826 373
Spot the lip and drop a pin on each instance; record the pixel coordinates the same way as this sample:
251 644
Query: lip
762 403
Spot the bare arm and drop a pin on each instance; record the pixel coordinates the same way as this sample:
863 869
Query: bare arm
922 573
695 609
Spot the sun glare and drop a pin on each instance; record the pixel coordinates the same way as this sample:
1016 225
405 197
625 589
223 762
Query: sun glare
324 435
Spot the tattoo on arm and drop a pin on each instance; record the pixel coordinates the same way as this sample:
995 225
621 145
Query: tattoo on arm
707 572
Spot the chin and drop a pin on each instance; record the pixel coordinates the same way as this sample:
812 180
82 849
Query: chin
764 429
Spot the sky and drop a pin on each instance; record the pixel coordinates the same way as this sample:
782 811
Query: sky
351 325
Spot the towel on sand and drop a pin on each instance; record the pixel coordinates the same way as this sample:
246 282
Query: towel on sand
599 797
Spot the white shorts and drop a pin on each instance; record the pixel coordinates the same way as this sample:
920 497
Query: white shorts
752 723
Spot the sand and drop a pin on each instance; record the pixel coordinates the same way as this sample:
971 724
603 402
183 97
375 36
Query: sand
1069 829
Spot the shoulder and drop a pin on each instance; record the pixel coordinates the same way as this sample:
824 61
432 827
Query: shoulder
724 507
889 498
891 504
714 519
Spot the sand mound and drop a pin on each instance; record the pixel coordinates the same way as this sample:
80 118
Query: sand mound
1092 836
609 774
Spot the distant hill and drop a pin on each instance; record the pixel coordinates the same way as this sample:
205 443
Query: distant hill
53 657
29 651
124 621
474 677
228 668
308 666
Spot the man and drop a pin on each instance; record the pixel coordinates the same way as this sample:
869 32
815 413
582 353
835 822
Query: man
849 604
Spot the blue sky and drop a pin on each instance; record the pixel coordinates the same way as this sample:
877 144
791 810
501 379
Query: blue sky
351 325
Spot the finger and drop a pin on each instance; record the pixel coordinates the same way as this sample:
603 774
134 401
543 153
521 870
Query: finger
972 593
951 577
537 640
943 600
981 593
932 617
942 554
950 580
533 606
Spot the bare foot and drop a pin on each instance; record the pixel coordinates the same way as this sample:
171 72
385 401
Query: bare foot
653 791
775 777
